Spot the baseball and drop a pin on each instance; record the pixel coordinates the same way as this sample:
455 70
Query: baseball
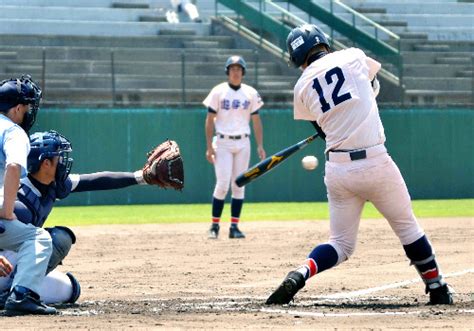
310 162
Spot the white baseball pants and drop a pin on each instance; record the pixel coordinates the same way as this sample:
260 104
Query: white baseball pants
376 179
232 158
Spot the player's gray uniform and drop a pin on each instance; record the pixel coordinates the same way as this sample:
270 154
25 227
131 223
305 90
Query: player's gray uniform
32 244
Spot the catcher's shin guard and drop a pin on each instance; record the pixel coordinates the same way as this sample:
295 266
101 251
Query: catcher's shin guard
63 238
76 288
293 282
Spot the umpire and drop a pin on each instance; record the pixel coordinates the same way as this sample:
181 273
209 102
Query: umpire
19 104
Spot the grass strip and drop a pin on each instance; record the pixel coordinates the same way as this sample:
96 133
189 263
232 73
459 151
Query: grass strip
268 211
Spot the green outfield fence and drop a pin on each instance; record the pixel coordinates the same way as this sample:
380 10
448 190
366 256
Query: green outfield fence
433 147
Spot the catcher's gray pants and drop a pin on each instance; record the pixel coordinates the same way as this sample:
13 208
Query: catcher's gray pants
34 248
376 179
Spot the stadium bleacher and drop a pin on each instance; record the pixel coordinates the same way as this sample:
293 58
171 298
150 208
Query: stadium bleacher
437 39
71 44
124 52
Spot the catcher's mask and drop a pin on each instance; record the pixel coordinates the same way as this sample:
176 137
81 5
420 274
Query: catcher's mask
24 91
301 40
47 145
235 59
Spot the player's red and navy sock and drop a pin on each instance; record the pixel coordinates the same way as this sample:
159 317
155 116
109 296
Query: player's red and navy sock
234 221
322 257
421 256
217 207
236 208
308 269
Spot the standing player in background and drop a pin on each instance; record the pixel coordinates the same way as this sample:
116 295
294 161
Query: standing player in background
19 104
230 106
49 180
336 93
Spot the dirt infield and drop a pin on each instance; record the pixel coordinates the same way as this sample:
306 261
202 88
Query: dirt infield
172 277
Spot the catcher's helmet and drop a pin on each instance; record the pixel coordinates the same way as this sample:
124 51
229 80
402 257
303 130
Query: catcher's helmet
23 91
301 40
46 145
235 59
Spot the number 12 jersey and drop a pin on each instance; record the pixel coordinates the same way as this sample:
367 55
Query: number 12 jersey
336 92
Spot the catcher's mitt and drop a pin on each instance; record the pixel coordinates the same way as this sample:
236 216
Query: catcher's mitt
164 166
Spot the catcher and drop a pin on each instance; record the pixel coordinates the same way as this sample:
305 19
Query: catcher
48 179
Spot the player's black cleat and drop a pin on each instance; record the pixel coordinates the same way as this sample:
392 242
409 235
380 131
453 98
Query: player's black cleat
293 282
235 233
440 296
213 232
23 301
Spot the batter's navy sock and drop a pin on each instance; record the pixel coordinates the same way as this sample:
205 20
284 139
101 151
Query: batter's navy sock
217 207
421 256
236 208
322 257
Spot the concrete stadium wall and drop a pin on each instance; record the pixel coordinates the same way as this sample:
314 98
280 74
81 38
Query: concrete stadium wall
433 148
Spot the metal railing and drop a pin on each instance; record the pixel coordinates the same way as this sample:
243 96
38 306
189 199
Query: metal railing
394 78
377 27
113 78
368 32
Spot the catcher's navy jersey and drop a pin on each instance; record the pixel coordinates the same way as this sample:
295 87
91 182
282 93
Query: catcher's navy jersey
35 200
33 207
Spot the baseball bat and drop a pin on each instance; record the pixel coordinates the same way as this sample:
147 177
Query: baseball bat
271 162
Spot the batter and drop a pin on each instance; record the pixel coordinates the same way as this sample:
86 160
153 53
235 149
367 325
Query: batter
336 93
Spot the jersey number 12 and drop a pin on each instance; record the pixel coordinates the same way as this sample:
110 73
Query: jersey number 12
336 98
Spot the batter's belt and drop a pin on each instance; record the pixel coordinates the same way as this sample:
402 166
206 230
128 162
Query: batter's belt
237 137
354 155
